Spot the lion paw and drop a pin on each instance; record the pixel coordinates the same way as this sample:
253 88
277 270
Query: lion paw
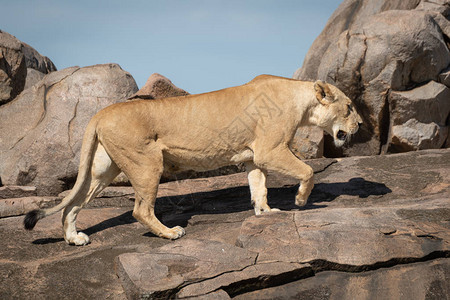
300 200
175 233
80 239
259 211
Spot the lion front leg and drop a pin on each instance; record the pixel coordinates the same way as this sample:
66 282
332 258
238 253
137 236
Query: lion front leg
258 189
283 161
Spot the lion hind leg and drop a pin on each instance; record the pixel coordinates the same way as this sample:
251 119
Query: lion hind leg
258 189
103 171
144 177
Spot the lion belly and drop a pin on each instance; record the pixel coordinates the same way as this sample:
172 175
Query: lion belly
177 160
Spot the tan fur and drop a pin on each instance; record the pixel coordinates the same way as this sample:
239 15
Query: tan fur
253 123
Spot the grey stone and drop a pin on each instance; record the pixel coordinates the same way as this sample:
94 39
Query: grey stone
34 60
415 135
33 77
13 69
428 103
362 52
43 127
308 142
348 13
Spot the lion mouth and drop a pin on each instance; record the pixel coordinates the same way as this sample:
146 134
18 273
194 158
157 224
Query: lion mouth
341 135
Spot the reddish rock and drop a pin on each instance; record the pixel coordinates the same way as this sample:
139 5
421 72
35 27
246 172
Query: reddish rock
20 206
12 191
158 86
161 273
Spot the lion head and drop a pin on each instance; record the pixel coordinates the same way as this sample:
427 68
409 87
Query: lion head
336 113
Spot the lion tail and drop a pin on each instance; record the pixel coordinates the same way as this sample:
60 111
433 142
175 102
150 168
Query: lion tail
82 184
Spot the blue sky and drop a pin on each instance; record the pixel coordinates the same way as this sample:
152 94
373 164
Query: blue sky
200 45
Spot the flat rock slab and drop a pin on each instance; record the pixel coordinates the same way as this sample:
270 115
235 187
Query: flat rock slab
14 191
425 280
351 239
192 268
162 272
20 206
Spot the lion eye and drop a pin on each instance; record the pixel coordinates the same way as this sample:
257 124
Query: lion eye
349 110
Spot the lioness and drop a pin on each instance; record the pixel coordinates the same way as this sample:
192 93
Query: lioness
253 123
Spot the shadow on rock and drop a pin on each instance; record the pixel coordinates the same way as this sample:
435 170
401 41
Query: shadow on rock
45 241
177 210
354 187
125 218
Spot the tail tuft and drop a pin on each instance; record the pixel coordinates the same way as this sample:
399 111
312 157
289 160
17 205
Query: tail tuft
31 218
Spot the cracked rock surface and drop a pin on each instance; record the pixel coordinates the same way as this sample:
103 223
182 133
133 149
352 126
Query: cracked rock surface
376 227
42 128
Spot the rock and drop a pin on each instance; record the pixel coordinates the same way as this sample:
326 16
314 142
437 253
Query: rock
13 69
43 127
352 236
419 117
160 274
17 191
371 81
440 6
308 142
33 77
444 78
158 86
235 283
425 280
414 135
407 193
350 12
20 206
428 103
34 60
362 52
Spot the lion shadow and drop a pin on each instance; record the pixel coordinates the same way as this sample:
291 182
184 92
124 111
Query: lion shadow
177 210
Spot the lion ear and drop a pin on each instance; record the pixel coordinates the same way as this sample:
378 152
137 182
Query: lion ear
323 93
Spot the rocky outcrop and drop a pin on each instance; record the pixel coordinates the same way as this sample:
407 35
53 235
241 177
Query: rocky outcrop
42 129
374 226
360 220
37 65
34 60
13 69
374 49
21 66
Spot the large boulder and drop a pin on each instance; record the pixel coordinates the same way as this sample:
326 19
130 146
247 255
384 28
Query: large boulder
348 13
375 54
13 69
42 129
